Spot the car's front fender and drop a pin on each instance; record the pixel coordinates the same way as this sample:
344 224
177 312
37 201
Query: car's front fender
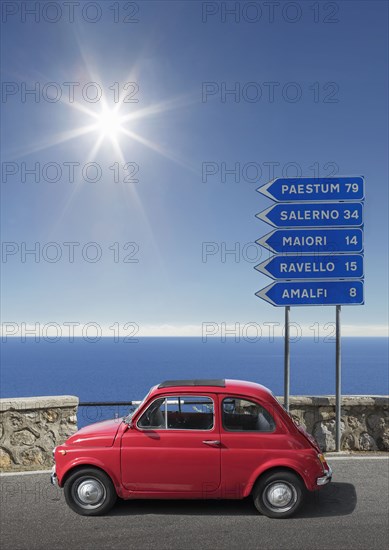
106 459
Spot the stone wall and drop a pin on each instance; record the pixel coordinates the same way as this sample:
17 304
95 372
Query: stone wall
30 428
364 421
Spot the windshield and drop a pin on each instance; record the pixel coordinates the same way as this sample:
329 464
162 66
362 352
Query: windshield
128 418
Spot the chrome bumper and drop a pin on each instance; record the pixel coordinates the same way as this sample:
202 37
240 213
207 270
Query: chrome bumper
323 480
53 477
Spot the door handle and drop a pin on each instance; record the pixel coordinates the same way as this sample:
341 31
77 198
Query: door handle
212 442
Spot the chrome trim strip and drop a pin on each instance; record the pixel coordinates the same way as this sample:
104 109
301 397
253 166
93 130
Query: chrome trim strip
323 480
53 477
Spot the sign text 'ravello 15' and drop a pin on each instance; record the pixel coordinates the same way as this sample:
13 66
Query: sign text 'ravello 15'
318 241
313 266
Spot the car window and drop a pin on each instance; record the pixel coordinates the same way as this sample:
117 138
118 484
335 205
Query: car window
242 415
179 413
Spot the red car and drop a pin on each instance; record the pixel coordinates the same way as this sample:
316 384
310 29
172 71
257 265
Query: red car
194 439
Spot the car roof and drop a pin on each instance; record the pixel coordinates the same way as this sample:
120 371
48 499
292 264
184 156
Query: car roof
204 382
242 387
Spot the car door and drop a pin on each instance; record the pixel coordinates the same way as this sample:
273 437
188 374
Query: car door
249 435
174 447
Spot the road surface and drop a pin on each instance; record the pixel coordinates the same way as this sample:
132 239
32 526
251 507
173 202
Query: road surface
351 513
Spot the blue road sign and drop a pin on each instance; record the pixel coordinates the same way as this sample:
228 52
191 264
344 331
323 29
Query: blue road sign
313 240
313 214
314 189
313 293
311 266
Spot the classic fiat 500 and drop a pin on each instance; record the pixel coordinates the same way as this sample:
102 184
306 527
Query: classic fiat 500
193 439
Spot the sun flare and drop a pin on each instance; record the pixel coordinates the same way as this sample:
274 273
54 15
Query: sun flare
114 125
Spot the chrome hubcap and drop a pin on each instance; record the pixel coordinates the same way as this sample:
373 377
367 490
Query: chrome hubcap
281 496
90 493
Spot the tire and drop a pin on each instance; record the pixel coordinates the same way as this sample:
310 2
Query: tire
90 492
279 494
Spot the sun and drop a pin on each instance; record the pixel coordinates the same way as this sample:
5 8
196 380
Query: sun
113 125
109 124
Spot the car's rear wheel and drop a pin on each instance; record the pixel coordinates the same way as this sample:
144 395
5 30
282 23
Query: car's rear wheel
279 494
90 492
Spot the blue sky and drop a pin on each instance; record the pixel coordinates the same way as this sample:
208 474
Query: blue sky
178 219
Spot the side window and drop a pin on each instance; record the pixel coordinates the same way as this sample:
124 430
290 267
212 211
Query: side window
190 413
179 413
241 415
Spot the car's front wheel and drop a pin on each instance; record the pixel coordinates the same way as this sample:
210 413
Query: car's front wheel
279 494
89 492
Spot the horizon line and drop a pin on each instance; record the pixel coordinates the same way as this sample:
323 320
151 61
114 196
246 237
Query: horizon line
250 331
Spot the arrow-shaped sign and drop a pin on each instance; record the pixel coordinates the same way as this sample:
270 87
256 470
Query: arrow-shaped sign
313 293
311 266
314 189
313 214
313 240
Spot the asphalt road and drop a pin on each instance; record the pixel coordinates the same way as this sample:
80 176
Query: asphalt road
351 513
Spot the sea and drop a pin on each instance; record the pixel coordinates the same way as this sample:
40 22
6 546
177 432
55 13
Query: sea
109 371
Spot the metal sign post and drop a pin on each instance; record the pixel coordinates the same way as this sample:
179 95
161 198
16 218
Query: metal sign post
286 360
338 398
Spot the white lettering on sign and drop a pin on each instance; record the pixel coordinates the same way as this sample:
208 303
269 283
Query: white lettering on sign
300 189
307 267
304 293
304 241
309 215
